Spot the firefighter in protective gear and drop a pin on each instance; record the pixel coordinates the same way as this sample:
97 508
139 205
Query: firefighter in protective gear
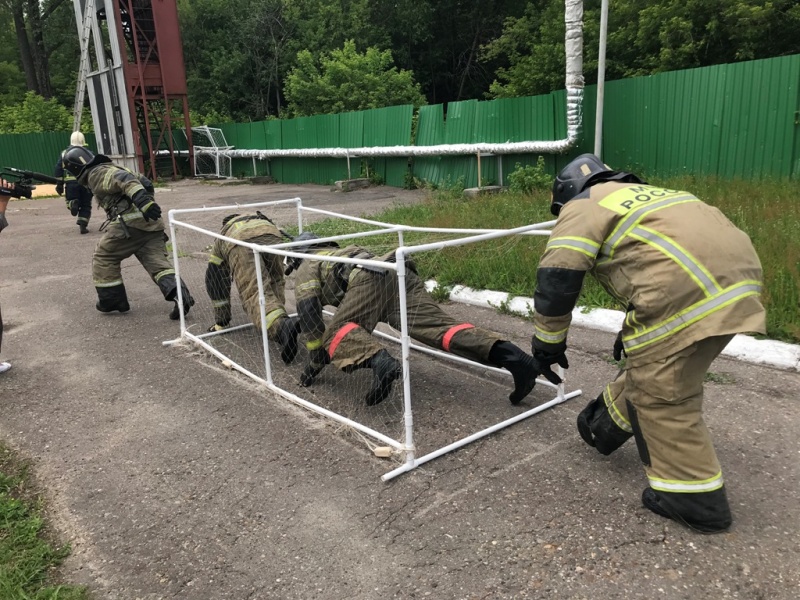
689 280
231 262
367 295
77 197
134 228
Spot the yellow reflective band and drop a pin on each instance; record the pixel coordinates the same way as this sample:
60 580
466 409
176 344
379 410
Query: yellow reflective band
551 337
273 315
616 416
625 225
313 344
108 284
630 198
164 273
583 245
312 284
692 314
220 303
677 486
215 260
698 273
132 214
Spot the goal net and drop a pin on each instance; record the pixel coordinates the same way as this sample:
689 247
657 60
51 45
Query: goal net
440 400
211 153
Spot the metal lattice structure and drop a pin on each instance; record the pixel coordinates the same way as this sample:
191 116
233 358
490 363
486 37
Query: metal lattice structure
134 75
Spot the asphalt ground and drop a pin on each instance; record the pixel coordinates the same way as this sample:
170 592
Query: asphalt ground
173 477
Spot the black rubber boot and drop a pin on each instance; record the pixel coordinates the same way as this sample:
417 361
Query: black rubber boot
704 512
188 302
113 298
83 227
385 369
598 429
287 338
519 364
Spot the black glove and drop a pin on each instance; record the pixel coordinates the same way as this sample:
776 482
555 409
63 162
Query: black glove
145 203
316 362
73 207
60 188
543 361
619 348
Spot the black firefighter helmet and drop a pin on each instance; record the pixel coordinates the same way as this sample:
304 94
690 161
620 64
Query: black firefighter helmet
293 262
78 158
581 173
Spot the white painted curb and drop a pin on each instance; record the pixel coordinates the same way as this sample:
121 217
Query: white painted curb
743 347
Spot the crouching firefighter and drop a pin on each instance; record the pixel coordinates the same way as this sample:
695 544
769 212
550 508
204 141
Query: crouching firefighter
231 262
689 280
366 295
134 228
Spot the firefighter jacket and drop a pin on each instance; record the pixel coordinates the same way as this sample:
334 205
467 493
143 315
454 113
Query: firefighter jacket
320 283
246 228
114 186
683 271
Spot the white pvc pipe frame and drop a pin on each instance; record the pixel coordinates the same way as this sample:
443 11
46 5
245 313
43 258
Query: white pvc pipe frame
573 48
473 235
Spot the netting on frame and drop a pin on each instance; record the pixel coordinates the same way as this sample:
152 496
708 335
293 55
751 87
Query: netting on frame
211 158
439 403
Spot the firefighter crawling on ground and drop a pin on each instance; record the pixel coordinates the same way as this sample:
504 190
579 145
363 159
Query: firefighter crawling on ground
367 295
689 280
231 262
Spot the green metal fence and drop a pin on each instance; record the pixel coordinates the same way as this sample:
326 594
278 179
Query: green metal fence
736 120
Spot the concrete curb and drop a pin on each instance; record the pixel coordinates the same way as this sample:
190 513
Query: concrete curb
743 347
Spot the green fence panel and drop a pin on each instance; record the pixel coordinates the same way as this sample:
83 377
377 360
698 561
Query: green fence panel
390 126
273 141
760 112
430 132
736 120
33 151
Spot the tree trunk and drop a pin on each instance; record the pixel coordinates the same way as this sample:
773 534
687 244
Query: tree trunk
24 47
39 53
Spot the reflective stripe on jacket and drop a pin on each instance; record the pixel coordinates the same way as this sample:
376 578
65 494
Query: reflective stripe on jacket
681 268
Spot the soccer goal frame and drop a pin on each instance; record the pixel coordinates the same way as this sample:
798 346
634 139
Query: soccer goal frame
405 445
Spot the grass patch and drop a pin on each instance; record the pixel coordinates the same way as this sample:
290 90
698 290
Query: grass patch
720 378
28 559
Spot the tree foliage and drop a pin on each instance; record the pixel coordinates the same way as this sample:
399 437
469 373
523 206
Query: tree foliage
239 53
35 114
644 37
346 80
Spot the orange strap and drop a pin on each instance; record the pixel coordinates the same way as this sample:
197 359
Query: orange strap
339 336
448 337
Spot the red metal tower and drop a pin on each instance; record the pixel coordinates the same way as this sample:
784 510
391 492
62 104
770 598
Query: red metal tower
155 82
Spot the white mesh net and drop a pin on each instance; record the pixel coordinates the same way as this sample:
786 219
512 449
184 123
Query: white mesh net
211 158
455 398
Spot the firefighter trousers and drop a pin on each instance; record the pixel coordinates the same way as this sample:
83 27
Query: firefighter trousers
661 404
147 246
83 196
373 297
242 265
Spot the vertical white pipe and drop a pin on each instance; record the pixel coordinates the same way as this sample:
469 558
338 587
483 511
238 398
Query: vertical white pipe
263 312
400 258
601 79
176 266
